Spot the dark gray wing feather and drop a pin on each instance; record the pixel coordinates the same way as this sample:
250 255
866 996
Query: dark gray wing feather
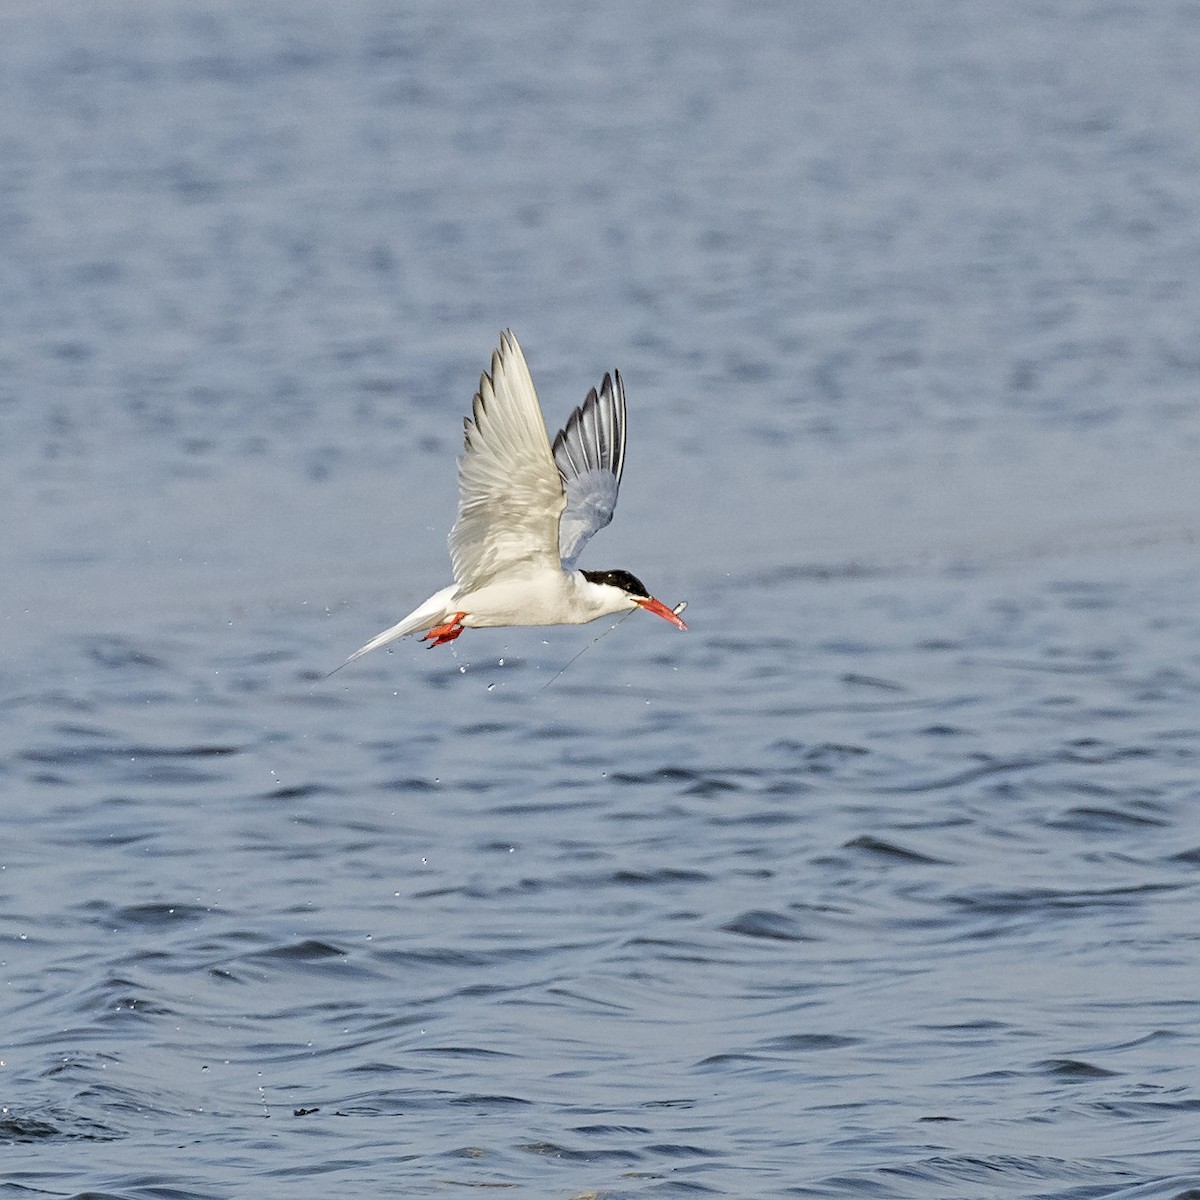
590 454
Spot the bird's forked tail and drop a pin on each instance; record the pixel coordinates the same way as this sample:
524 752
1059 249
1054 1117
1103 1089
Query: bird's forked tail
431 613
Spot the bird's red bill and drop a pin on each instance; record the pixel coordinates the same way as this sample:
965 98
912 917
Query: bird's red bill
659 609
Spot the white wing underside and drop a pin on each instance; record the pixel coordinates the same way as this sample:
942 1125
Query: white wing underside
590 454
510 493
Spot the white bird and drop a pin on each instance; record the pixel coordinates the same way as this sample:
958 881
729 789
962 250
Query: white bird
526 510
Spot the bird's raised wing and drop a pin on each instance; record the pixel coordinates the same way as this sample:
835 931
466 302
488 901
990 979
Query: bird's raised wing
590 455
509 492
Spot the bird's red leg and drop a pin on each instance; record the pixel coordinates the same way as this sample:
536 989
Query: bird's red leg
439 635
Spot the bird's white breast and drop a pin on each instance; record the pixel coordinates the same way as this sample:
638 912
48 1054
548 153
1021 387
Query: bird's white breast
540 598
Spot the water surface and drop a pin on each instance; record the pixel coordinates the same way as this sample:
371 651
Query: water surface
881 881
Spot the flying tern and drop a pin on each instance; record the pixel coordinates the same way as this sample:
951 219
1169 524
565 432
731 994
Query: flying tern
526 509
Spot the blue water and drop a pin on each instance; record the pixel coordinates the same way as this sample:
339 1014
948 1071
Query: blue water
882 881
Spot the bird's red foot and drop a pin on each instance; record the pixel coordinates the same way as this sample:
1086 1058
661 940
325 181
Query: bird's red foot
439 635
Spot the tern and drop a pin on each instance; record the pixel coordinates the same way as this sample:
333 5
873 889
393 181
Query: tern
525 511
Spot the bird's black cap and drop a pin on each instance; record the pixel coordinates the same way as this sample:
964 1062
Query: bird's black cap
619 579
